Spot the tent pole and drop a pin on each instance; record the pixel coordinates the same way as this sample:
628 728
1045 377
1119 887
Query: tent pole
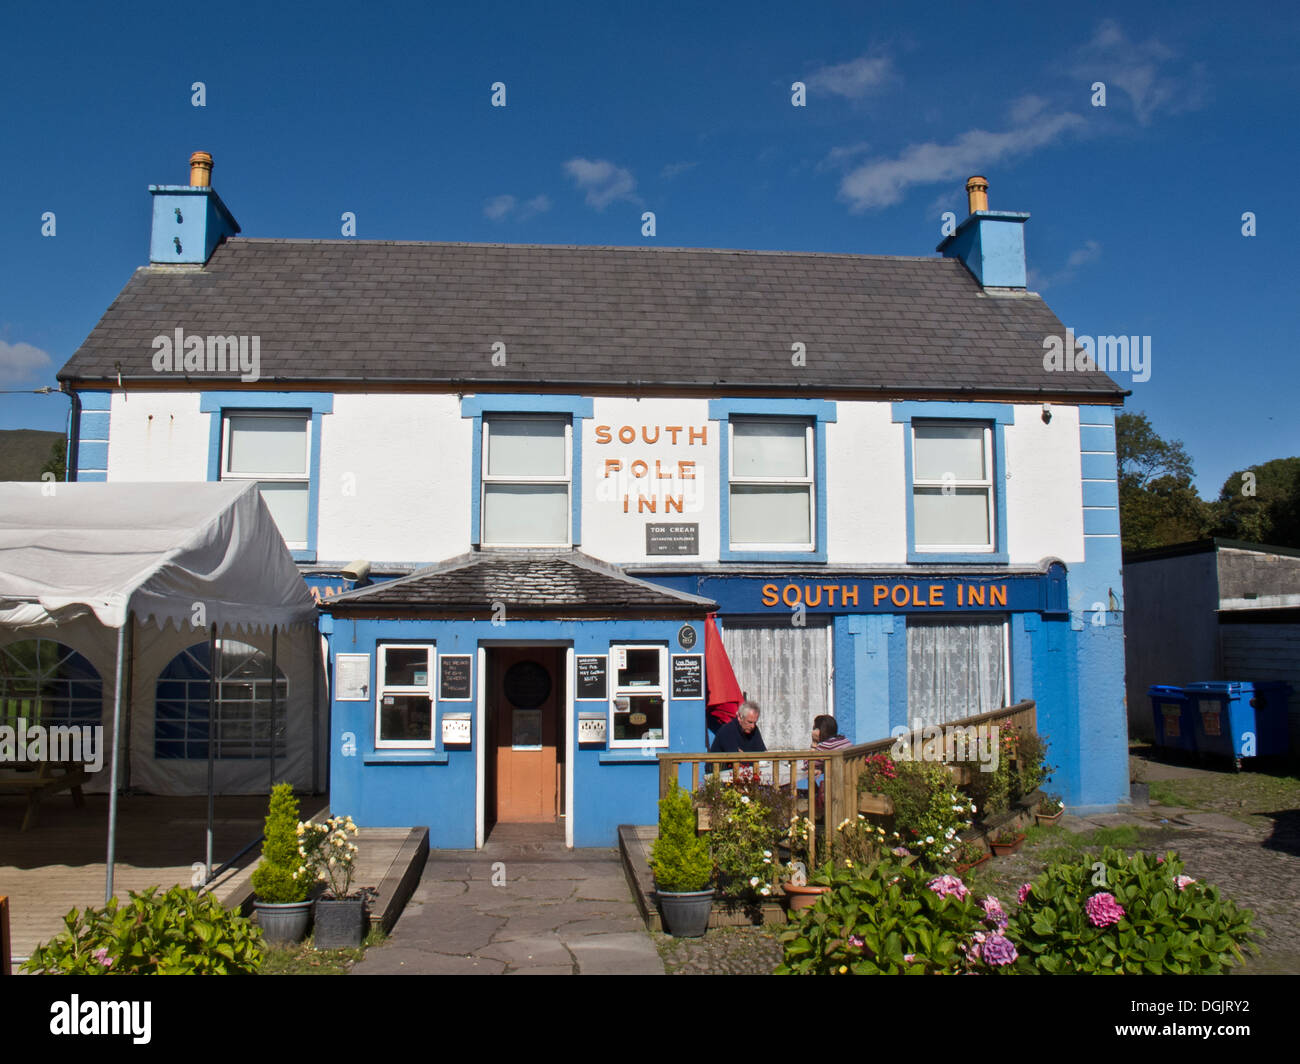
212 739
271 759
117 757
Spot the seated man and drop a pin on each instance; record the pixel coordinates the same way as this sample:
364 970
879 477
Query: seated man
741 735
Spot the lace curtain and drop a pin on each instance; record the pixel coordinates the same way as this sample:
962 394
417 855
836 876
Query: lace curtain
954 670
785 670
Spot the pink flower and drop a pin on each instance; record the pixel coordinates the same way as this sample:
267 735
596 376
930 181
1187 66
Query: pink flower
855 941
998 950
909 958
1103 910
101 955
1183 881
1160 860
993 912
901 851
946 885
1023 893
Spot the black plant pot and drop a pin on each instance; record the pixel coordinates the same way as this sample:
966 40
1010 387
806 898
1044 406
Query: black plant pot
340 924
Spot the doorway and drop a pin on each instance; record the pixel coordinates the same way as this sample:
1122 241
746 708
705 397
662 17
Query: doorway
525 752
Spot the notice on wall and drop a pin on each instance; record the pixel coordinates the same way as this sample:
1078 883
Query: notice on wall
352 677
454 678
672 538
688 676
592 676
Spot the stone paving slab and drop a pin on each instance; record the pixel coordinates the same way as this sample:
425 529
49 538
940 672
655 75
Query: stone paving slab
519 906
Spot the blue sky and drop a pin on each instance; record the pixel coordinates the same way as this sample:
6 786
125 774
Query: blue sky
613 109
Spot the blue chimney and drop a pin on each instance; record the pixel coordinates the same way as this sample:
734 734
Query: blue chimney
189 221
990 243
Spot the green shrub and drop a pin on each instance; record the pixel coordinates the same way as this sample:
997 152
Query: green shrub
178 933
679 858
281 876
991 791
929 811
1118 914
1032 770
890 917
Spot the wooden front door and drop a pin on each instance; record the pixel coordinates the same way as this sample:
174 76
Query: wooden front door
525 696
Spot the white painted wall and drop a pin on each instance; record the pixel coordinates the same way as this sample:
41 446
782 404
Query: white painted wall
1045 487
394 479
155 436
396 482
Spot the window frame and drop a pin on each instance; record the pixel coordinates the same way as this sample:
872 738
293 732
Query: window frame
809 480
997 416
987 485
663 690
382 688
966 619
487 479
303 478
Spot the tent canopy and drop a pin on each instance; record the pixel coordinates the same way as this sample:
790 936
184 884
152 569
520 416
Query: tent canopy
68 550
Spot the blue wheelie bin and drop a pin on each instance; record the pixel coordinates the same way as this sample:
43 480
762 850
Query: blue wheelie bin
1171 715
1238 720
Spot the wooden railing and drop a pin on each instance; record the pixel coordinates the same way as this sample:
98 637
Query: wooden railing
788 769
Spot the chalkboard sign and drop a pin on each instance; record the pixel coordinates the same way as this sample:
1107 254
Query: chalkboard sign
592 676
688 676
454 678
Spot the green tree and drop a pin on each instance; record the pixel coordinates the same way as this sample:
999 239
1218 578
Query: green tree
57 462
1261 504
1158 502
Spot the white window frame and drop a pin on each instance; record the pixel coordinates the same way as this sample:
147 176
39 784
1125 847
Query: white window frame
287 478
487 479
616 691
1008 698
987 484
382 689
810 481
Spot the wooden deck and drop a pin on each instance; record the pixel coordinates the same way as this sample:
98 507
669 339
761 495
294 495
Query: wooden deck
58 865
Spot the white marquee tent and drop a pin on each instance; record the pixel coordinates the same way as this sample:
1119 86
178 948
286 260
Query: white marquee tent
130 575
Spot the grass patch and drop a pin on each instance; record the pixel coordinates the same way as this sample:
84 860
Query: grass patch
1247 796
303 959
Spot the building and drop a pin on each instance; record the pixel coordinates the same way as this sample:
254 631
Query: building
1214 609
520 478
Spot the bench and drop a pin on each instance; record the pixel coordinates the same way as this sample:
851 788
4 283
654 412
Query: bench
40 780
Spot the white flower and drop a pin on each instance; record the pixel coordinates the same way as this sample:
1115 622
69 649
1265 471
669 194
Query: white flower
765 891
767 853
753 881
744 799
929 840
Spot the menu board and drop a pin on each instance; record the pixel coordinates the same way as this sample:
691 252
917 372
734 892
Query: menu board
454 678
352 677
593 676
688 676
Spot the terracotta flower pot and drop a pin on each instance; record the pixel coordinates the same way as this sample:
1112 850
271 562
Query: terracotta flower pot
962 869
1046 819
1004 849
803 897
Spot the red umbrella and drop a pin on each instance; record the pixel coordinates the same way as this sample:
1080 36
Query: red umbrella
724 692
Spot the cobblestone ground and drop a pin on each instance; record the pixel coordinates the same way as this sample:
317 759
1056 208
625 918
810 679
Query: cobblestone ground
1259 868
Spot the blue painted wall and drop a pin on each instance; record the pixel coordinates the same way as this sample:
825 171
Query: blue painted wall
90 463
992 245
188 223
437 788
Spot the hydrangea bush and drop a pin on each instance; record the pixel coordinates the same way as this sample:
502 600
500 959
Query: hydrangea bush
1121 914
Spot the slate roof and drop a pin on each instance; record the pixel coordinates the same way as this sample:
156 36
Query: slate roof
526 582
587 317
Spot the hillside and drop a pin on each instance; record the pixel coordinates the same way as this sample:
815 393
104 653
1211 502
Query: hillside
24 451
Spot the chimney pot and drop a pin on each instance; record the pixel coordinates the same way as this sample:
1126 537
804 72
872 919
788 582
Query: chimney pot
201 169
977 193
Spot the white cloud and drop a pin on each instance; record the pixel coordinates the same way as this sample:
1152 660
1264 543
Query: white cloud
676 170
1026 109
837 158
21 363
500 207
602 181
1081 256
1140 72
1090 252
853 79
883 182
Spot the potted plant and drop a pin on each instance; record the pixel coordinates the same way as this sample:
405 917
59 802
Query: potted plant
682 868
281 881
327 849
970 855
1007 840
877 771
803 891
1050 809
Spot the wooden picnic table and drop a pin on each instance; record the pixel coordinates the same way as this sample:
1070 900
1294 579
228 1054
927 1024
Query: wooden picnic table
38 780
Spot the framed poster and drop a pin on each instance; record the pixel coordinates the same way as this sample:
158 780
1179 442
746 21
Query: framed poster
454 675
593 676
688 675
352 677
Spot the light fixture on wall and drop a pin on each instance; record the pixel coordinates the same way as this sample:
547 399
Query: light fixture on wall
357 570
1047 413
